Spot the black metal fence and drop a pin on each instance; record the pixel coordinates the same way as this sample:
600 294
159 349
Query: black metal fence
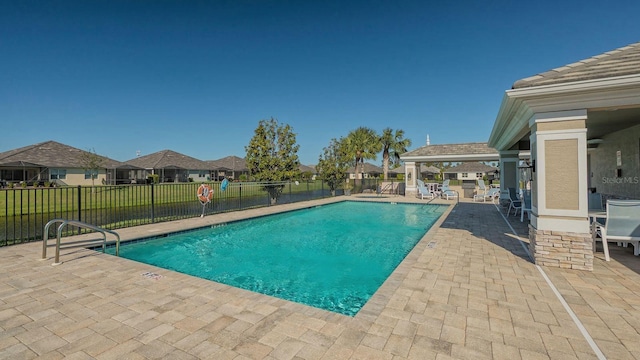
25 211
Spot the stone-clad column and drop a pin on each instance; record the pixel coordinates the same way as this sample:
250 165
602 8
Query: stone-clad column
559 229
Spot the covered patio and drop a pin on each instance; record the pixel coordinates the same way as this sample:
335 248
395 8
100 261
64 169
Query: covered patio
464 152
581 124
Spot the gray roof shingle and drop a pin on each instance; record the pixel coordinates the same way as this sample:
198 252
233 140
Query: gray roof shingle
305 168
618 62
52 154
229 163
368 169
168 159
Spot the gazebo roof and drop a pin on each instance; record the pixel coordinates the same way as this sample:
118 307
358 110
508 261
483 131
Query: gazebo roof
618 62
475 151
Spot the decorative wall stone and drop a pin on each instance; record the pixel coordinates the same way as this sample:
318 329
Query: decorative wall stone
561 249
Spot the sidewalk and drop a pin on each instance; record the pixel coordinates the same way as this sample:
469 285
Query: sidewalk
468 290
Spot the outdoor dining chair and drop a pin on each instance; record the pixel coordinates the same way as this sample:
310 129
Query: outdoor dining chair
622 225
514 202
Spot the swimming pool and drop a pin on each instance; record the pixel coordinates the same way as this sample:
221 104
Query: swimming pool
333 257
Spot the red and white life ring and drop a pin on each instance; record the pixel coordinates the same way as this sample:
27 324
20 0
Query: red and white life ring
205 194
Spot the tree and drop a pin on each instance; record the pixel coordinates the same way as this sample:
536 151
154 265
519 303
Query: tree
333 164
393 144
362 143
91 163
272 156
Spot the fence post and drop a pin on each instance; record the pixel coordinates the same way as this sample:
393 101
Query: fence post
152 204
79 203
79 207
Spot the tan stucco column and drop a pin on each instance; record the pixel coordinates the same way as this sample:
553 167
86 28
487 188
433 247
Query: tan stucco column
508 172
410 174
559 229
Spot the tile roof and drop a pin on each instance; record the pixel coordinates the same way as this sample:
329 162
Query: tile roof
52 154
168 159
619 62
471 167
452 149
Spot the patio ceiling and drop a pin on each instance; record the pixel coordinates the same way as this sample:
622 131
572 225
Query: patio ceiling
605 121
600 122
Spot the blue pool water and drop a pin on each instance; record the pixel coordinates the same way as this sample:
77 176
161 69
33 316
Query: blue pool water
332 257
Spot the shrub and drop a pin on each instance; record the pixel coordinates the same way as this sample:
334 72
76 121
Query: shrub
153 178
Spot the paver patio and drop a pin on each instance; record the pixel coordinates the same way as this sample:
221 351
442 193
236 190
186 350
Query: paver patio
468 290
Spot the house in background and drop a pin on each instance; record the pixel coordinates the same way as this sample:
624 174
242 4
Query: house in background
426 172
230 167
469 171
429 172
309 170
171 166
370 171
51 161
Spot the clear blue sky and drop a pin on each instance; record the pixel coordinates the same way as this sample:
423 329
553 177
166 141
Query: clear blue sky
197 76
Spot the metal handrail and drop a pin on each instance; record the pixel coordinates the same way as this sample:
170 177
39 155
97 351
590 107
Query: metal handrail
382 190
79 224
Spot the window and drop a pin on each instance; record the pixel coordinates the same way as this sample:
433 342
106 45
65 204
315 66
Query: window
479 175
87 174
58 174
464 175
202 174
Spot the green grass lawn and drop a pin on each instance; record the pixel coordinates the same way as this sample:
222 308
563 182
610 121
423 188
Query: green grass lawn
68 199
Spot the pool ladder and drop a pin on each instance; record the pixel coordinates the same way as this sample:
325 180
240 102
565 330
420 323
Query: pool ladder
75 244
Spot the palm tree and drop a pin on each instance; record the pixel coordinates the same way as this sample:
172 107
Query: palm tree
393 144
362 143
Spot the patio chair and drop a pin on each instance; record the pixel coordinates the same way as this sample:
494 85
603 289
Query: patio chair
485 192
514 202
595 201
494 194
622 225
526 205
482 191
446 192
423 191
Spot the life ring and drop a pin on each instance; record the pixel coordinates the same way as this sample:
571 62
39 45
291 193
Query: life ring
205 194
224 184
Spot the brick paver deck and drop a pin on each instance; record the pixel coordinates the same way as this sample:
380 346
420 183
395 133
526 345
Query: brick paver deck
468 290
